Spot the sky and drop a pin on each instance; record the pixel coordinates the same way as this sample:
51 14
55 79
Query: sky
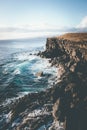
34 18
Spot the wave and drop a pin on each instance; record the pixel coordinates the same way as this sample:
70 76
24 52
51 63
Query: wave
18 77
19 74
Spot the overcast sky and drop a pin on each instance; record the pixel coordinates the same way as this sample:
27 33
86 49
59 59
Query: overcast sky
32 18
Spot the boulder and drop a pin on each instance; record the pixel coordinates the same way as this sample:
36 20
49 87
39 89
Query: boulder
39 74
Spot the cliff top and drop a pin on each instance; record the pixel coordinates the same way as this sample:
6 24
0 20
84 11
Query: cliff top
74 37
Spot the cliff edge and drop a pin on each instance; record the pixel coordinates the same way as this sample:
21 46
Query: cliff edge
64 105
69 53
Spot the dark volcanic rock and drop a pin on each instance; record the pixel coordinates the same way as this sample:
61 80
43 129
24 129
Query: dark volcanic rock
39 74
70 95
65 104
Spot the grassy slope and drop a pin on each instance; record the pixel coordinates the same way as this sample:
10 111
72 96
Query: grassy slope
74 36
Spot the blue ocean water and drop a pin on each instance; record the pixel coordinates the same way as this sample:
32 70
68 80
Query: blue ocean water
18 68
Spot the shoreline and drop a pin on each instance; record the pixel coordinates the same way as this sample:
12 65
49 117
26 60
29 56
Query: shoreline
65 104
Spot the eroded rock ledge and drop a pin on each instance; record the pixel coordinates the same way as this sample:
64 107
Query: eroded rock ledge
64 106
69 52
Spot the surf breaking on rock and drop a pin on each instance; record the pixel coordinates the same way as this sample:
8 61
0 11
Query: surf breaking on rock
64 105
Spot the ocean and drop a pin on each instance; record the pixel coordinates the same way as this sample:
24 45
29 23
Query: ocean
18 68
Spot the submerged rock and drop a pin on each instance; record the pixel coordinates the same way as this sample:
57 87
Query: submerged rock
39 74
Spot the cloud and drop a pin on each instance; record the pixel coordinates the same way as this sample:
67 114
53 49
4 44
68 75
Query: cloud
83 23
41 30
30 31
82 27
32 28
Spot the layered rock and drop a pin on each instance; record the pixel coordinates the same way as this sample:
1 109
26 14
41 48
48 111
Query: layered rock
64 106
70 95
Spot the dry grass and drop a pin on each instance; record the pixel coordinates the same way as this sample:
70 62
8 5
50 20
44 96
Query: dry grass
74 36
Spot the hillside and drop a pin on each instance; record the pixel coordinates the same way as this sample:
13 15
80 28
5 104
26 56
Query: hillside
76 37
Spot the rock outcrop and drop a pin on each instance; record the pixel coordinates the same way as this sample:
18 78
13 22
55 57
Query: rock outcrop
63 106
39 74
70 95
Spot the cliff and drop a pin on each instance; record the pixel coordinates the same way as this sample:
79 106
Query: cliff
64 105
69 53
66 44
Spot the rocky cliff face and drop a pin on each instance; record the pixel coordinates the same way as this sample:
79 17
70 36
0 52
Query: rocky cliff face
56 47
70 94
64 106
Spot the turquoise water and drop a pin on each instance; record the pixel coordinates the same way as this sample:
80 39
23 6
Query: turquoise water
18 69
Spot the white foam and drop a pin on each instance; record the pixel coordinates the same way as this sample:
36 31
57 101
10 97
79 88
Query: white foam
23 56
5 71
22 94
17 71
8 117
9 101
38 112
43 65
